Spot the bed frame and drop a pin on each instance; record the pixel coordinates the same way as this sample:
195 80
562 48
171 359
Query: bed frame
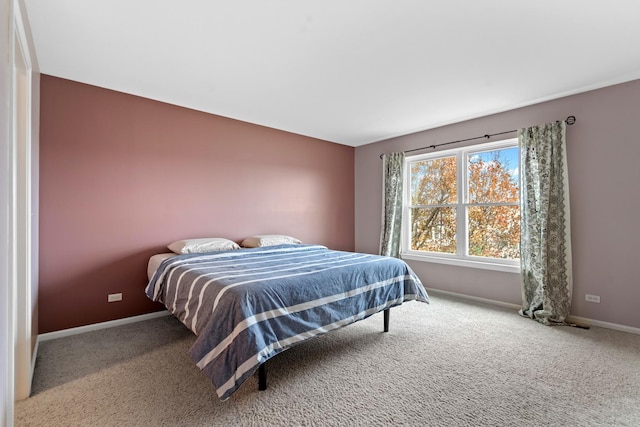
262 369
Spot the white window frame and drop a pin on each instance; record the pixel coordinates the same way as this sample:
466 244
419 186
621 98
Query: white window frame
460 258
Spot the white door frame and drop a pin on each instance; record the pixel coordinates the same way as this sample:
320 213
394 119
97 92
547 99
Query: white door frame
20 258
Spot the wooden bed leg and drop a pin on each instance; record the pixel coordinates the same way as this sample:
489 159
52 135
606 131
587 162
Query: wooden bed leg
262 376
386 320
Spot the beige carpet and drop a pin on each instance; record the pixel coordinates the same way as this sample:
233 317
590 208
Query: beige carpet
450 363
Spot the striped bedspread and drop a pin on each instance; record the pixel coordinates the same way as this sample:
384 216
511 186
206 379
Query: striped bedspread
245 306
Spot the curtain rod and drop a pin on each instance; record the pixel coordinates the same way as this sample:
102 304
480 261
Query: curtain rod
569 120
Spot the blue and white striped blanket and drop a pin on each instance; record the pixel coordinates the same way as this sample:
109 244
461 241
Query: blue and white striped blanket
245 306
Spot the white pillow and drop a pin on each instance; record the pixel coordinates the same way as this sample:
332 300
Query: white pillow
196 246
268 240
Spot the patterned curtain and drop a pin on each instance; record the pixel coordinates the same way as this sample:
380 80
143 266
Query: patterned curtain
393 170
545 243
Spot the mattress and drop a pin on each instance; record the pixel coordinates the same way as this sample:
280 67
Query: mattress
154 263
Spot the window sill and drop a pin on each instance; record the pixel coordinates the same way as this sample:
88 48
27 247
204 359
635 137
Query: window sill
470 263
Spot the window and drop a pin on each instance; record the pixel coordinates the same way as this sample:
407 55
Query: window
463 206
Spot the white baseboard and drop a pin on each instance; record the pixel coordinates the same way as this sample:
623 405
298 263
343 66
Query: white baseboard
477 299
601 324
571 318
133 319
103 325
34 356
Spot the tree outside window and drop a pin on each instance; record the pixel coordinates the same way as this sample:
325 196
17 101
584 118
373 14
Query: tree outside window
465 202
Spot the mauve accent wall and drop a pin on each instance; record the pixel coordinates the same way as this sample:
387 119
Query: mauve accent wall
122 176
603 150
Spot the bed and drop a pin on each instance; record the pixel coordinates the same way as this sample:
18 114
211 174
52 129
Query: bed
246 306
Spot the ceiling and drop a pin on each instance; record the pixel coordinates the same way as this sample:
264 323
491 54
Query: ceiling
347 71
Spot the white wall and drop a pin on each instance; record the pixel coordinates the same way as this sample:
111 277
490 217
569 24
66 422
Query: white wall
25 173
19 166
6 346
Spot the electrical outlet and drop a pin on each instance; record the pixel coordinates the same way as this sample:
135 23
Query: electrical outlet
592 298
114 297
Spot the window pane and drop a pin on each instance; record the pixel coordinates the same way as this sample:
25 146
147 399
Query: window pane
494 176
494 231
433 230
433 182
